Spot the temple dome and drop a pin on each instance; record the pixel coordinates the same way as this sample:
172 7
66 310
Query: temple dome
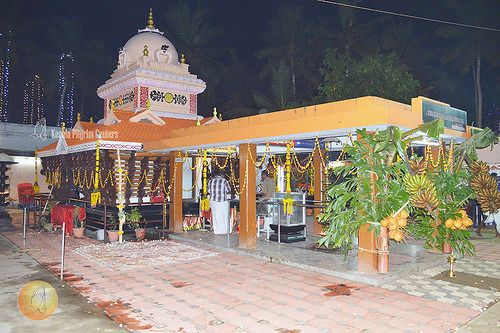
158 46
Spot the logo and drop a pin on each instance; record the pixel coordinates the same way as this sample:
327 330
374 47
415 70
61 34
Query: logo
40 130
37 300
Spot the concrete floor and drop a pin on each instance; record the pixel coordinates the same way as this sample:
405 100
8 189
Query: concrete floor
74 314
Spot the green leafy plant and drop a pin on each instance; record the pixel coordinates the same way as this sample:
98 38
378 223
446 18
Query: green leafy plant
133 218
112 223
77 223
453 192
372 189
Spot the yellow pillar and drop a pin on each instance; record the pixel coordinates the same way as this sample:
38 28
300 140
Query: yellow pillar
175 213
248 216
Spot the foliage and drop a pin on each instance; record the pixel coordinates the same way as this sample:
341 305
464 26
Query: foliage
453 192
380 179
77 223
133 218
378 75
479 140
280 92
112 222
372 189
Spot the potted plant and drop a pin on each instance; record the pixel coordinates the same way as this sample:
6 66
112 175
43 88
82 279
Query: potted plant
133 218
78 225
112 226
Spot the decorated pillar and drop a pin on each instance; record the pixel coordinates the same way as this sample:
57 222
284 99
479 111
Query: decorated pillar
175 214
248 216
318 189
367 239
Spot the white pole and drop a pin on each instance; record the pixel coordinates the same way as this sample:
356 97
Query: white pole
24 226
62 250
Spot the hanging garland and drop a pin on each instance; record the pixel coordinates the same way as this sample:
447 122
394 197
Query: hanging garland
204 202
36 187
288 199
95 196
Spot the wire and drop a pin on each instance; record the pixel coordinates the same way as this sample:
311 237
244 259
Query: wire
407 15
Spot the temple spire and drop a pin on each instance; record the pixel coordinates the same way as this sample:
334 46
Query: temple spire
151 23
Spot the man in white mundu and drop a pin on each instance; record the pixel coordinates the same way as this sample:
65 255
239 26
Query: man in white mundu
219 190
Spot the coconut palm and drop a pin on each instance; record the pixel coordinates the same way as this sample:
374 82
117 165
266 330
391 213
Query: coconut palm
287 41
468 48
280 92
194 35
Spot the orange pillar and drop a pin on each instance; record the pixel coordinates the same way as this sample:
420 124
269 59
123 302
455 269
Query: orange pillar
318 189
367 242
175 213
248 216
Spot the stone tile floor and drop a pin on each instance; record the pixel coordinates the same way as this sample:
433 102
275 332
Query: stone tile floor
231 293
405 260
423 285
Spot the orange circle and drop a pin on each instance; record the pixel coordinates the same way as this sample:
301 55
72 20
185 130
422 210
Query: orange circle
37 300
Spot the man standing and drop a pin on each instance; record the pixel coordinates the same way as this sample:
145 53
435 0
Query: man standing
218 189
268 185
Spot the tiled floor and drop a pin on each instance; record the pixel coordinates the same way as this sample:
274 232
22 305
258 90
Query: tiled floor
231 293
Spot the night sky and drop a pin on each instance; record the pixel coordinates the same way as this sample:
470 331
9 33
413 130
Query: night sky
43 29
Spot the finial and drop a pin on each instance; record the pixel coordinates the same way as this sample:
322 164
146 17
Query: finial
198 122
183 59
63 126
78 116
220 116
91 119
215 112
151 23
145 52
112 105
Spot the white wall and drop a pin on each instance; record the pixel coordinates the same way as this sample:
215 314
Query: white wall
24 172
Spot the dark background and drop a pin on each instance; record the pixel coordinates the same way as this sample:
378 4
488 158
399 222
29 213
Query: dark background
93 31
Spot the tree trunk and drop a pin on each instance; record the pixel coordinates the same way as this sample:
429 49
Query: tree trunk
479 93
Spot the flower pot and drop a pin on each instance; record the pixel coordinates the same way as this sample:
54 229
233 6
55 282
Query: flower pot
78 232
113 235
140 234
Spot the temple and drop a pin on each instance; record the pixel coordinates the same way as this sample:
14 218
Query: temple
151 149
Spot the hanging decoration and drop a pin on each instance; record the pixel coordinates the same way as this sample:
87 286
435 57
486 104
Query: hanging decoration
204 202
288 199
36 187
95 196
121 198
310 191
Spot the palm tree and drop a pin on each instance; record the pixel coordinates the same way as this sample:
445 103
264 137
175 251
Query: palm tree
288 40
280 95
194 35
468 48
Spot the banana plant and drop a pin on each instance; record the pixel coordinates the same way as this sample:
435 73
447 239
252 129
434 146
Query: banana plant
371 189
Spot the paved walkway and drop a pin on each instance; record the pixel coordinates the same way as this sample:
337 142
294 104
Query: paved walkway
74 314
201 290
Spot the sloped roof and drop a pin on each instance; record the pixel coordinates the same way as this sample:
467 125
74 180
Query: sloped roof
124 130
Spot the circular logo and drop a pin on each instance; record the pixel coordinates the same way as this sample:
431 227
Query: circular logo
37 300
169 98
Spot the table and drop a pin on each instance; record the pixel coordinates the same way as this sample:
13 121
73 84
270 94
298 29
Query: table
64 214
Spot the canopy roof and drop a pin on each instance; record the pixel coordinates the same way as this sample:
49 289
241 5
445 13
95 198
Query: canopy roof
328 120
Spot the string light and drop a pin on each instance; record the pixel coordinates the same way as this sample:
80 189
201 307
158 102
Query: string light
66 90
4 81
33 100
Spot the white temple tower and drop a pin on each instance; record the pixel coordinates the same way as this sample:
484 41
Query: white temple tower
149 69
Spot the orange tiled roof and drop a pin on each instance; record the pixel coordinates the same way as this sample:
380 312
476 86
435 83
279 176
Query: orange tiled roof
125 131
